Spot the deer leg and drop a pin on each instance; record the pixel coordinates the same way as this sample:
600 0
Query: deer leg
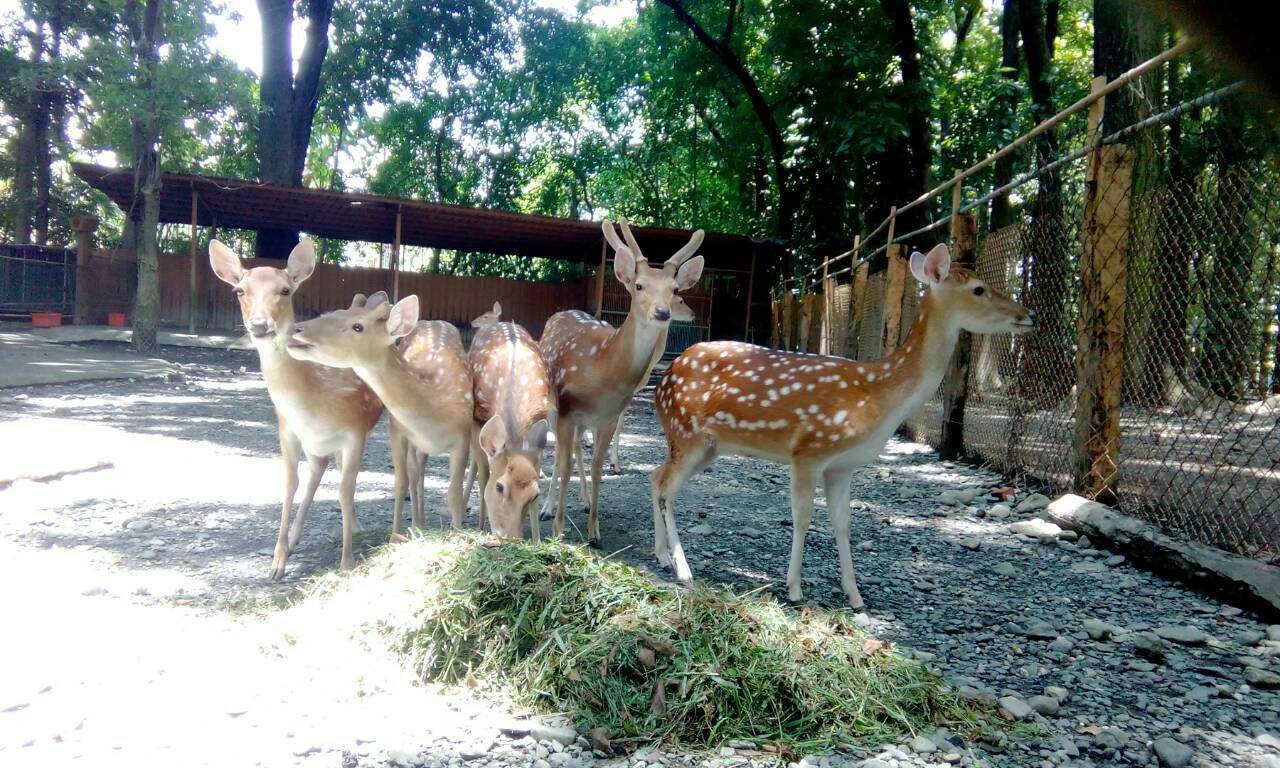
564 455
351 456
289 450
614 446
457 475
802 481
480 463
417 467
316 465
471 484
682 463
578 440
400 470
600 448
836 485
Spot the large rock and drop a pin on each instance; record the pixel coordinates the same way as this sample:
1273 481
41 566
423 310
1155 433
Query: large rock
1098 630
1172 753
1183 635
1015 708
1241 580
1261 678
1036 528
1033 502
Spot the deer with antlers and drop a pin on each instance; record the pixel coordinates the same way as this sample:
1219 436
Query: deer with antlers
426 386
323 412
822 415
596 368
513 400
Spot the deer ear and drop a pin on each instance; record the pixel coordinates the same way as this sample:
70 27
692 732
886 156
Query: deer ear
497 309
493 436
375 299
225 264
689 273
536 438
403 317
931 269
358 301
624 266
302 261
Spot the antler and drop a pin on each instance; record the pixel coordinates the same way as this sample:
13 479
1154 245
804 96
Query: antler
689 248
631 239
611 235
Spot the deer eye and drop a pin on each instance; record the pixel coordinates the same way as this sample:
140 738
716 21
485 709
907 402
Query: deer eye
499 488
357 327
285 291
239 291
978 291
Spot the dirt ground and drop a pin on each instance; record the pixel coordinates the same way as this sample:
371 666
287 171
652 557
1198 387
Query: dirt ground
138 580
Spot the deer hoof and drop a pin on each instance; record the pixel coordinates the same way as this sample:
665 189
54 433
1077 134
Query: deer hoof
277 568
664 559
594 543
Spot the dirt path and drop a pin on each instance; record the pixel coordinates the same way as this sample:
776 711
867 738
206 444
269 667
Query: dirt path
133 580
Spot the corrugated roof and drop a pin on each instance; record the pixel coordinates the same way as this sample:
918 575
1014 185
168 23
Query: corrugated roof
238 204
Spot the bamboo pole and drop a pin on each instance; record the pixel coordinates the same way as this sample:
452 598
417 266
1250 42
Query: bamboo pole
194 301
604 256
395 257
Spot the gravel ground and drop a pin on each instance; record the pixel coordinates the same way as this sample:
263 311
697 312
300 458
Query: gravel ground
135 580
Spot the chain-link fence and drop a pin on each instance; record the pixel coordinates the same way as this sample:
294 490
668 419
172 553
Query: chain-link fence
1150 254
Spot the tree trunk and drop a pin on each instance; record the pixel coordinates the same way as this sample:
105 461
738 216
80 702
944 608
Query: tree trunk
1002 214
24 160
287 103
764 114
146 171
909 172
1046 375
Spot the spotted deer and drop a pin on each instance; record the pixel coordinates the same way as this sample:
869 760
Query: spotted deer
488 318
513 400
596 368
426 386
822 415
681 312
324 412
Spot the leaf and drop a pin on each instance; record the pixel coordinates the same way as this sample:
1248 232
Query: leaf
660 646
873 645
574 675
658 698
645 657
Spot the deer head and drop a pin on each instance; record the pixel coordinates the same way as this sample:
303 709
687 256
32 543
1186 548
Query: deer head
652 288
265 293
513 472
970 303
349 338
488 318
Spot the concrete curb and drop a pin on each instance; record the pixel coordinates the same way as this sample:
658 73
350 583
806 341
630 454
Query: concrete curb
1242 581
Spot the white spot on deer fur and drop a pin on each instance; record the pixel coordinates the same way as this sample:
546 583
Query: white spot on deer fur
813 409
908 348
773 394
861 403
862 369
839 417
871 377
809 387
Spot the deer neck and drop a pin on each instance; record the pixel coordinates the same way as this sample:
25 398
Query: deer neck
917 365
401 390
629 353
279 368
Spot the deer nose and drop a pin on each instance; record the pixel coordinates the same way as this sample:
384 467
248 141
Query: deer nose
258 326
662 314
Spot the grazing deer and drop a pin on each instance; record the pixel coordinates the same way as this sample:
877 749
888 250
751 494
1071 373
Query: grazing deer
488 318
321 411
681 312
513 398
596 368
426 386
822 415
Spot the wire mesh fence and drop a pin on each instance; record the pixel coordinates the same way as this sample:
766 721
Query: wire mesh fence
1150 254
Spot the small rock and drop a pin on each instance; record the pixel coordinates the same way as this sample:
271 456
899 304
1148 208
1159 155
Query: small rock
1114 560
1087 566
1005 569
1201 693
1038 629
1035 528
1249 637
728 751
1150 646
1261 678
865 546
1014 708
1083 542
1057 692
970 544
1111 738
923 746
1045 705
1033 502
873 763
138 524
1172 753
560 735
1273 632
702 530
1184 635
999 512
1061 645
1098 630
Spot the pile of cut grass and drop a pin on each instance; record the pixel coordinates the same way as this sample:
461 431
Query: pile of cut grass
567 631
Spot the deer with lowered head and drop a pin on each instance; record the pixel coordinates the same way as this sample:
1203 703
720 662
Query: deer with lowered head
488 318
596 368
426 386
824 416
323 412
513 400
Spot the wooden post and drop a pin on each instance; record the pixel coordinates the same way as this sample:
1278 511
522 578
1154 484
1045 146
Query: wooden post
84 227
893 222
395 257
195 264
955 391
851 322
857 304
1104 256
604 256
751 287
789 320
824 322
775 322
895 289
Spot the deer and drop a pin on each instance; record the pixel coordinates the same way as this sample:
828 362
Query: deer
824 416
596 368
322 412
426 384
488 318
513 399
681 312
